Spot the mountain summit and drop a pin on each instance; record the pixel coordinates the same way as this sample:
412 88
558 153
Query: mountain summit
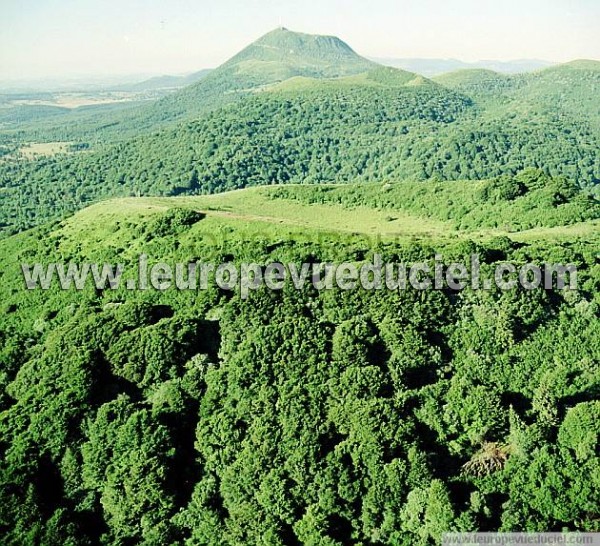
277 56
284 53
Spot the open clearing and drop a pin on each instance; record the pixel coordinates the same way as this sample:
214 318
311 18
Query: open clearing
37 149
255 212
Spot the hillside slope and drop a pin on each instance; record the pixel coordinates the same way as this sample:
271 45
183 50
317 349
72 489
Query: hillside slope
305 416
338 132
295 108
378 126
567 88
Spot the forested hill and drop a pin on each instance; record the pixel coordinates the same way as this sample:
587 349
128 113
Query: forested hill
570 89
297 416
278 55
307 109
283 55
383 125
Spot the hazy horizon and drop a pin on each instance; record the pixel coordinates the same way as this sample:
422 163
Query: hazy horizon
133 77
66 39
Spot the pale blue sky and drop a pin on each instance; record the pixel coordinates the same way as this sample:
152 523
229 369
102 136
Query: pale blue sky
42 38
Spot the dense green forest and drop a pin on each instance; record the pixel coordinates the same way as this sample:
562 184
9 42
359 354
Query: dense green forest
294 417
316 417
376 128
527 200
